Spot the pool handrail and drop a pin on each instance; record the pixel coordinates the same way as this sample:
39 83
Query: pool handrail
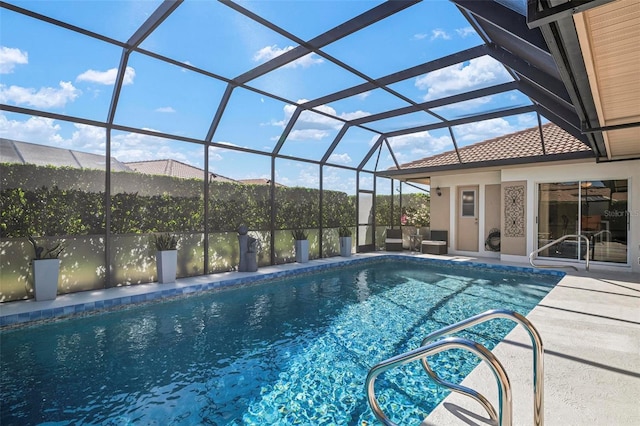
534 253
536 343
504 386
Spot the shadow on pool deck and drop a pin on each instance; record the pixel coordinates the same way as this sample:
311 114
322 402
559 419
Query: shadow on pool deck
590 327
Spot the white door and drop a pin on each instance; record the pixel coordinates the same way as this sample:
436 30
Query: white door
467 218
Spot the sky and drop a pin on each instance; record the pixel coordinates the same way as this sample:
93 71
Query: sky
49 68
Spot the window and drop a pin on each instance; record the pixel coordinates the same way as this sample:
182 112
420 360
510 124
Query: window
468 203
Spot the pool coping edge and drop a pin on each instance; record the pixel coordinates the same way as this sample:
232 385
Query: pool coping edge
27 312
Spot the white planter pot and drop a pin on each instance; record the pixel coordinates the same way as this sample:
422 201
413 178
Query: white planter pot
302 251
45 278
345 246
166 262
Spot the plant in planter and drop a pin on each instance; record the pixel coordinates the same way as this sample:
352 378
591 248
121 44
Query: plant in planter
166 257
301 244
46 269
344 233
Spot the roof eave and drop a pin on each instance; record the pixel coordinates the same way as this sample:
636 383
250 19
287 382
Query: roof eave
486 164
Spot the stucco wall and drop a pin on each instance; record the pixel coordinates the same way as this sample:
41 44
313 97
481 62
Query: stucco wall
492 209
441 210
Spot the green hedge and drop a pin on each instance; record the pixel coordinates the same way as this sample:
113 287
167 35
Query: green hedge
56 201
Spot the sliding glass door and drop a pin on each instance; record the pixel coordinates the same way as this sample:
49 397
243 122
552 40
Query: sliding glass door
595 209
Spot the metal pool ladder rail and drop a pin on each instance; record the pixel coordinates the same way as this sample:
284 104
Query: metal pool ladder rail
428 348
533 254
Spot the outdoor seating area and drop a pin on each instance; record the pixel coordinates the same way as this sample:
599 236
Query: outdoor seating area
434 247
436 244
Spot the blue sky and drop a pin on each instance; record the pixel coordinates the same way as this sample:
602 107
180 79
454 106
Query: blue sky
52 69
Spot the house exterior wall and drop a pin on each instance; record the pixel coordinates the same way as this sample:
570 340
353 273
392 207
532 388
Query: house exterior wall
517 248
441 204
492 208
451 183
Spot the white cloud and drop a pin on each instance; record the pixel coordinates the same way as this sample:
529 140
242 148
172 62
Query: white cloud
364 95
215 152
482 130
366 181
420 36
439 33
45 97
300 174
124 146
107 77
340 158
225 143
373 139
214 156
269 52
10 57
138 147
527 120
47 131
165 109
415 146
308 177
32 129
463 106
465 32
479 72
353 115
339 180
186 63
310 119
307 134
313 126
87 138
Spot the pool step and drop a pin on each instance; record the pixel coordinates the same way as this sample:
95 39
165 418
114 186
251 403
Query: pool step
504 415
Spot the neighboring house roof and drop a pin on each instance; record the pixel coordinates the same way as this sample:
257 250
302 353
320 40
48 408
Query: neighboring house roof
522 144
263 181
12 151
174 168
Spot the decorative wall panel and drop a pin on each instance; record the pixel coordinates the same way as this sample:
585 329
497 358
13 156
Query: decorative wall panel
514 206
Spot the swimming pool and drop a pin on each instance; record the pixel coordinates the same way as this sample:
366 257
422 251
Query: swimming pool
295 350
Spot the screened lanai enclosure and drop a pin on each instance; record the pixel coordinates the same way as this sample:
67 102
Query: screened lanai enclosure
120 120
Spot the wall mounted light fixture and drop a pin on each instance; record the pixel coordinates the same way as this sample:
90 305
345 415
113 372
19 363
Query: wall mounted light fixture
438 191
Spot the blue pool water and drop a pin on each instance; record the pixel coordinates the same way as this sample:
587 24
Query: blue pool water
292 351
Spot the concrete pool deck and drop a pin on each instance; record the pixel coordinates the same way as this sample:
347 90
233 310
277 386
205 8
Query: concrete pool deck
590 327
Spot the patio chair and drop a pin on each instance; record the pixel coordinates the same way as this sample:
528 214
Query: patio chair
437 244
393 240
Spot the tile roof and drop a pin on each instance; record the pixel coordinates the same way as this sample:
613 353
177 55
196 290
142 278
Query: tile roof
174 168
522 144
12 151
